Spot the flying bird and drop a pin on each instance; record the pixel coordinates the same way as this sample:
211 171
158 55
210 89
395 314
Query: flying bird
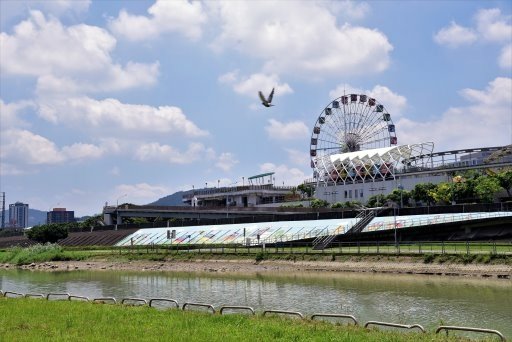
267 102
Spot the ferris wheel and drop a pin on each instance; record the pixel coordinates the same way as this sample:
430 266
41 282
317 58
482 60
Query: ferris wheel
351 123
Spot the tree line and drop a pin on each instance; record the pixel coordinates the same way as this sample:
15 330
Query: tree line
469 187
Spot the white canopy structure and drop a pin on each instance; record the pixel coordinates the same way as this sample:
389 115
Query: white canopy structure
372 164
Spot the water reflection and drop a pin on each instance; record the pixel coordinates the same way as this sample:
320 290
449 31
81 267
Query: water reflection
429 301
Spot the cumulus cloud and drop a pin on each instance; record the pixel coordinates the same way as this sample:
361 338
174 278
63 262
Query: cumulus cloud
78 57
299 37
350 9
494 26
505 58
251 85
170 154
226 161
491 26
13 9
394 103
283 174
22 147
455 35
297 157
182 16
286 131
485 121
117 115
12 114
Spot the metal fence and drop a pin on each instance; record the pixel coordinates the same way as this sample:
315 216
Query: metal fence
248 310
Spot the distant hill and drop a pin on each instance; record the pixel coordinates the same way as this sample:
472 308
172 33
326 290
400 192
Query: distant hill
171 200
35 217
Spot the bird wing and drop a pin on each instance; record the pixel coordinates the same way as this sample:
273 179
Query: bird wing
271 95
263 99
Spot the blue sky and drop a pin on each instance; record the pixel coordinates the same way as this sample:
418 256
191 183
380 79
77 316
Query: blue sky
106 101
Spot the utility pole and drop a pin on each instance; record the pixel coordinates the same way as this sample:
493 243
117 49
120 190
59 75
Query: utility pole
3 210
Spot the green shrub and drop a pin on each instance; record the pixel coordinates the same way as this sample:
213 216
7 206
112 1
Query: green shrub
428 258
260 256
52 232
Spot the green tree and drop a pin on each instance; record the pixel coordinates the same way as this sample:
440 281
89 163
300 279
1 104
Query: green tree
307 190
423 193
318 203
91 222
376 200
352 204
52 232
337 205
486 188
399 196
442 193
505 181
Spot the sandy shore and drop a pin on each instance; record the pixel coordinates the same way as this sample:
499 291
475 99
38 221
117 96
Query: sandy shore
252 267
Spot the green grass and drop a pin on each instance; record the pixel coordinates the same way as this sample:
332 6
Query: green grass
39 253
453 253
41 320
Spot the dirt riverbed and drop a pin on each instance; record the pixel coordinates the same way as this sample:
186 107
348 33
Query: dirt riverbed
252 267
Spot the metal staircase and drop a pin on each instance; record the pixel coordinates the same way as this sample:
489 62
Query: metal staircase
323 241
364 218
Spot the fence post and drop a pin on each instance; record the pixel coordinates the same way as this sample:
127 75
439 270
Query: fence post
442 247
467 247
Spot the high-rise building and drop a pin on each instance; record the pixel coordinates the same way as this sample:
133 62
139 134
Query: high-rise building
60 215
18 215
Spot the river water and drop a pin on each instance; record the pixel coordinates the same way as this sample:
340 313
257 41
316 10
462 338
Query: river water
407 299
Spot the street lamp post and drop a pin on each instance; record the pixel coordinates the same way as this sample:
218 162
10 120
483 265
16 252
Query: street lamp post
394 219
401 188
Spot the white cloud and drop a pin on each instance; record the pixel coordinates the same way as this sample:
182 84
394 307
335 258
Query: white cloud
22 147
59 8
505 58
11 114
299 37
182 16
494 26
114 114
140 193
82 151
251 85
491 26
350 9
485 121
77 57
286 131
298 157
455 35
394 103
290 176
169 154
226 161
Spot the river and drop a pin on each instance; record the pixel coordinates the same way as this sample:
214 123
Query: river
408 299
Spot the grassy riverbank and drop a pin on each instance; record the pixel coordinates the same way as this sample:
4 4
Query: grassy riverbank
47 253
41 320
